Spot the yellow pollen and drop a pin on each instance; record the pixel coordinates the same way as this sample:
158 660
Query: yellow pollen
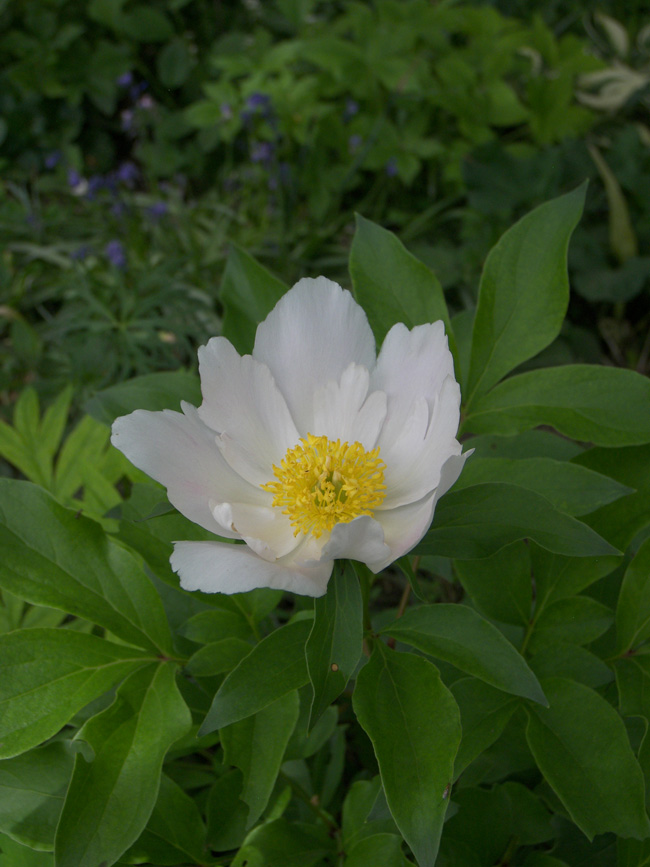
322 482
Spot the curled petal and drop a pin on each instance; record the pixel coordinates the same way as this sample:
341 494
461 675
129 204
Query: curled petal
179 451
361 539
309 338
217 567
344 410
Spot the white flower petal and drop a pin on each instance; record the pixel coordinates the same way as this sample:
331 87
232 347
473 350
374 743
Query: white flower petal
404 526
361 539
310 337
243 404
411 365
344 410
215 567
415 459
180 452
266 530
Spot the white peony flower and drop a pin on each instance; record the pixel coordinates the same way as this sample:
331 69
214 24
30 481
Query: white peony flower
308 450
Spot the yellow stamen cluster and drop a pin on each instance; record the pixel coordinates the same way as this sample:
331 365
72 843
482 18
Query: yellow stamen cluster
322 482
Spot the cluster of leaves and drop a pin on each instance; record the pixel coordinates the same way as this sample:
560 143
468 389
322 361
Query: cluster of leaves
499 712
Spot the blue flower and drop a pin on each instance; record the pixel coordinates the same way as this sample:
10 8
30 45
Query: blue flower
125 80
74 178
262 152
52 159
115 253
354 143
157 210
80 253
351 108
127 173
391 167
226 110
258 100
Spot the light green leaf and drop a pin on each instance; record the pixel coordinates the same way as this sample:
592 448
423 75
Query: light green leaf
48 675
175 833
218 657
414 725
248 293
379 850
484 714
13 854
607 406
478 521
256 745
633 609
334 646
56 558
111 798
391 284
581 746
273 668
524 292
569 487
32 789
462 637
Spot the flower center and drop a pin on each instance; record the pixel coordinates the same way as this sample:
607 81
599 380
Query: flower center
322 482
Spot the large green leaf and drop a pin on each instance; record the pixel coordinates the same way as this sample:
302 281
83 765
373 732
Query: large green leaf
391 284
484 714
462 637
414 725
248 292
48 675
574 620
500 586
581 746
175 833
524 292
53 557
285 844
32 789
569 487
256 746
607 406
558 577
478 521
111 797
334 646
273 668
633 609
152 391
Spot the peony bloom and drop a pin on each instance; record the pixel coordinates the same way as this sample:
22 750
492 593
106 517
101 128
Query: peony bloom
308 450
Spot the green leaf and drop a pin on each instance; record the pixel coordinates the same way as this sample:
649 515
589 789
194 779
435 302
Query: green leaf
561 659
218 657
256 745
462 637
111 798
500 586
414 725
379 850
558 577
581 746
335 643
153 391
273 668
175 833
56 558
226 812
54 421
575 620
248 293
48 675
633 609
478 521
569 487
606 406
484 714
283 844
524 292
32 789
391 284
13 854
174 63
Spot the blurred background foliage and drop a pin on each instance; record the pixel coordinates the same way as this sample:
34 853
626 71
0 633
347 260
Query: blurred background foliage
138 142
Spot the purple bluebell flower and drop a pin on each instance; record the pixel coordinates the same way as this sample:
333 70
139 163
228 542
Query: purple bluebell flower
52 159
391 167
262 152
137 90
74 178
80 253
115 253
146 102
157 210
226 110
258 100
125 80
95 184
127 173
126 118
351 108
